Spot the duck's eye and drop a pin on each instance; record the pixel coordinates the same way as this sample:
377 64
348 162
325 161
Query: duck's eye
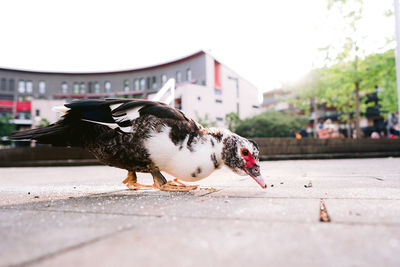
245 152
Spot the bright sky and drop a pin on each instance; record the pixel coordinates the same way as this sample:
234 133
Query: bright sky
266 42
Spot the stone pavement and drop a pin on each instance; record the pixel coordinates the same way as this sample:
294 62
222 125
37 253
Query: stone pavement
84 216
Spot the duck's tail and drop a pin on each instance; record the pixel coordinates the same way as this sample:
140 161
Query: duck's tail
54 134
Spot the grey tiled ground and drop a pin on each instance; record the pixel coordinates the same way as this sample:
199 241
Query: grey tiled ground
84 216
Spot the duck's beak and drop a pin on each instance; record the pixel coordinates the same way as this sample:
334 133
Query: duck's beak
254 172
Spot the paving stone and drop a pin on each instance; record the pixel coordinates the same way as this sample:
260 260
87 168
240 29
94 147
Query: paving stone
189 242
27 235
84 216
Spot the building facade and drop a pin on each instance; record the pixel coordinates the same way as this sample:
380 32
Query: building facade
203 86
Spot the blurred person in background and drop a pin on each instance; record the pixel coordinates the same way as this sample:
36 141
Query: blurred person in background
303 132
375 135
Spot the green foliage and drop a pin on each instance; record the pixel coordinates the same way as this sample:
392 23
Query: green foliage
6 126
334 85
43 123
205 121
347 68
232 120
381 71
270 124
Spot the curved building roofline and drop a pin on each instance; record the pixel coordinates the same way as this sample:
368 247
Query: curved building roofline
199 53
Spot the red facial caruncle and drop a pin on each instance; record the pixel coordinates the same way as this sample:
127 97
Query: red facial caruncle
251 167
250 161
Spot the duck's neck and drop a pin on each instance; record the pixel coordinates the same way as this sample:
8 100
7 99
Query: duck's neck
216 138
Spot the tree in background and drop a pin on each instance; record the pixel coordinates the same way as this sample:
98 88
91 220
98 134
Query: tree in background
340 93
205 121
232 121
6 126
381 70
349 73
43 123
349 57
270 124
334 86
309 92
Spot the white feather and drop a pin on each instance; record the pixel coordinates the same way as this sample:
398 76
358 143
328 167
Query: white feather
61 109
111 125
131 115
126 129
114 106
182 163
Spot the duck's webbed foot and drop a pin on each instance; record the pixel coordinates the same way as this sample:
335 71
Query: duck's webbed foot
161 183
131 182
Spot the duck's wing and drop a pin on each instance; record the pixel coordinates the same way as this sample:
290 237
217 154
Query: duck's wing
120 114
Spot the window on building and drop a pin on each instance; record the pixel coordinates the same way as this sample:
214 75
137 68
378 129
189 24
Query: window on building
24 115
148 83
219 119
96 87
76 88
142 83
154 82
11 84
163 79
42 87
136 85
126 85
189 75
64 88
218 100
29 87
107 87
237 108
178 77
90 87
217 91
3 84
21 86
199 98
37 112
82 88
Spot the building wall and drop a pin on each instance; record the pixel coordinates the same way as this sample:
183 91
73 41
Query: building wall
246 100
205 93
53 81
199 101
42 109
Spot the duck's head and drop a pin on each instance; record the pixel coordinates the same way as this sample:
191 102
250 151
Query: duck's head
241 155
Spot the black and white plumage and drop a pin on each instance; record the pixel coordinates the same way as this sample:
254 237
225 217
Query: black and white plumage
148 136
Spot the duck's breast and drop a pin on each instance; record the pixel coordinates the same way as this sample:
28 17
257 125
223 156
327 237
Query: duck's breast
187 160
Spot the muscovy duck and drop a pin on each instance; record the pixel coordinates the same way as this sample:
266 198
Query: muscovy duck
148 136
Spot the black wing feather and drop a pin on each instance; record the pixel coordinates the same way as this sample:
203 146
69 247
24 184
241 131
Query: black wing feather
156 109
73 130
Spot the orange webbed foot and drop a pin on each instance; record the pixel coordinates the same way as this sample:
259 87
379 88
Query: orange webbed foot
177 186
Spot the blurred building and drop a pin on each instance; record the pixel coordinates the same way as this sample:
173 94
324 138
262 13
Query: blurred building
277 100
203 86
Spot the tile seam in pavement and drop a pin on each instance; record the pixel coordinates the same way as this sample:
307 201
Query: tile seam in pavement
159 216
69 248
209 193
108 192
